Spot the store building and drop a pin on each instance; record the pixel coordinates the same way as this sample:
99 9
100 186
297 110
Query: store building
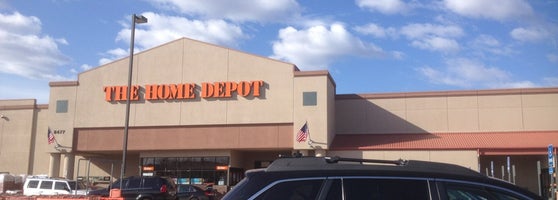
201 113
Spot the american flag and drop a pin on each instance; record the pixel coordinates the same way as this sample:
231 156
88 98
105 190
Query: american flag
302 135
50 136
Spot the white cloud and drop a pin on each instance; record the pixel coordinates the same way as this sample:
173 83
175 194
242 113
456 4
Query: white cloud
27 53
529 34
467 73
551 81
113 54
492 9
487 43
437 44
384 6
161 29
398 55
417 31
519 84
433 37
377 31
246 10
316 47
17 23
438 77
85 67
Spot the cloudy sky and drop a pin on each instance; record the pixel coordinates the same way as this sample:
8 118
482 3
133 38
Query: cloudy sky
368 46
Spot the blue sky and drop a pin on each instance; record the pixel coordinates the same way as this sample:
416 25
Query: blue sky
368 46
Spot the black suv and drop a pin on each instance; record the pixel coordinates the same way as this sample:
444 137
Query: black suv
142 188
328 178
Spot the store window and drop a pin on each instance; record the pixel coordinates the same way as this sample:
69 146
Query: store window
62 106
189 170
309 98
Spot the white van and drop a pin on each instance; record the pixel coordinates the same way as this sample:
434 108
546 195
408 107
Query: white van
52 186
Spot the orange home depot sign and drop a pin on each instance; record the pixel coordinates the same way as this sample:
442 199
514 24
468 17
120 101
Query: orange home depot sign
184 91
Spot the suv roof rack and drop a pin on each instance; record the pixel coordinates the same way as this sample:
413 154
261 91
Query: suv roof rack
335 163
336 159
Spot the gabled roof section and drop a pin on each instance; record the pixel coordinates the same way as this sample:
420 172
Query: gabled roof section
192 40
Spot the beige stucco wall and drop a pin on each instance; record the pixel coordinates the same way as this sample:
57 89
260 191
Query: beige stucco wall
23 137
63 121
187 61
416 113
317 116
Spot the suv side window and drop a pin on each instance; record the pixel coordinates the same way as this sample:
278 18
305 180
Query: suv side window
293 190
151 183
371 188
455 191
335 191
33 184
134 183
46 185
60 186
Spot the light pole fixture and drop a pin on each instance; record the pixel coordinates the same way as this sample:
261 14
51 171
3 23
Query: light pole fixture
136 19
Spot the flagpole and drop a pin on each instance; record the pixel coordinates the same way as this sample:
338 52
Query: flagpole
310 141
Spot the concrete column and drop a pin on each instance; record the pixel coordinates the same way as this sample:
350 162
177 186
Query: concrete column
54 165
68 171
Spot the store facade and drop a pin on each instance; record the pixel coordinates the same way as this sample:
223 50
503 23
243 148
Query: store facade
204 114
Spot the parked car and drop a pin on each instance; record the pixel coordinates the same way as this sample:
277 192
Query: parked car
52 186
142 188
349 179
192 192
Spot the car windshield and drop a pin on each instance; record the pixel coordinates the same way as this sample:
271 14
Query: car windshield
80 185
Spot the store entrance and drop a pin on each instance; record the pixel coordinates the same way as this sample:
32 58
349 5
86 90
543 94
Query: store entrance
236 175
206 171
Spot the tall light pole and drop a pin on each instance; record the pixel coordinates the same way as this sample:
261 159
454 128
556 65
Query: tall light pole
136 19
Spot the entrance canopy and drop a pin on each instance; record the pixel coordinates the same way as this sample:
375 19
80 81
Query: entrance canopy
487 143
